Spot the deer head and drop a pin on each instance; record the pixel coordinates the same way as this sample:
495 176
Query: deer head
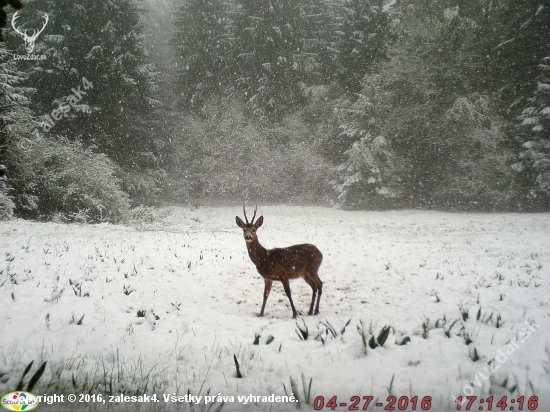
249 229
29 40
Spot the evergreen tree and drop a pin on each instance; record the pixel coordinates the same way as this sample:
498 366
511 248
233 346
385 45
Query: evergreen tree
276 50
366 176
99 41
15 4
203 43
16 122
98 44
364 36
48 176
534 165
14 99
439 124
513 38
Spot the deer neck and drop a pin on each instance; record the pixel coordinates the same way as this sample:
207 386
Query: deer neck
256 252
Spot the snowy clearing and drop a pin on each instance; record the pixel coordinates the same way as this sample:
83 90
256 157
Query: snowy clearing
164 308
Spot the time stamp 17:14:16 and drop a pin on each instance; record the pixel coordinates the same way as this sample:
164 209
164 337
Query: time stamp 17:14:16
404 402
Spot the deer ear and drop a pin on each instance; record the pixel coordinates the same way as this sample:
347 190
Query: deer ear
239 222
259 222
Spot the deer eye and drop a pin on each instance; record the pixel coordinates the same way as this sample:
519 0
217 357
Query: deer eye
253 230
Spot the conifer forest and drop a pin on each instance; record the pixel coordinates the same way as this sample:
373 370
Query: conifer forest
359 104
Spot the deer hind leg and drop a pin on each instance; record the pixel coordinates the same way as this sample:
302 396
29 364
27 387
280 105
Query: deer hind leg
286 286
313 286
319 293
317 283
267 289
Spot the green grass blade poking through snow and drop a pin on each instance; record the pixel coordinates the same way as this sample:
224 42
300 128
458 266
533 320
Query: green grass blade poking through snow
237 367
19 386
307 392
344 328
381 339
303 334
294 387
464 313
36 377
426 329
363 334
256 339
405 340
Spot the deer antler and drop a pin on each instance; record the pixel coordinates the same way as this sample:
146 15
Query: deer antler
253 217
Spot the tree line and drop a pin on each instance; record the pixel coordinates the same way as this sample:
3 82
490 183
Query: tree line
368 104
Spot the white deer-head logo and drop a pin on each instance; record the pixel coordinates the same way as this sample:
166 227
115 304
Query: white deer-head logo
29 40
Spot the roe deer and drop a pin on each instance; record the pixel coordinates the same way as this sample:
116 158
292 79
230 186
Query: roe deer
283 264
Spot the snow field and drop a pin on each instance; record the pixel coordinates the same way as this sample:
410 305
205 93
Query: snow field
164 307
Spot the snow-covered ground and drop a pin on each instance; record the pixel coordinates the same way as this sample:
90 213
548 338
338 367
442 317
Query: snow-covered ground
163 308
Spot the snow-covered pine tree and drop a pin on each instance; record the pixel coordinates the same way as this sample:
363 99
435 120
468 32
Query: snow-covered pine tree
100 41
367 178
49 176
275 50
443 160
513 39
363 39
534 165
202 40
15 121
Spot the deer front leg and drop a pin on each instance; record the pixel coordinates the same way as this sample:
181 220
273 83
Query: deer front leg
267 289
286 286
312 302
